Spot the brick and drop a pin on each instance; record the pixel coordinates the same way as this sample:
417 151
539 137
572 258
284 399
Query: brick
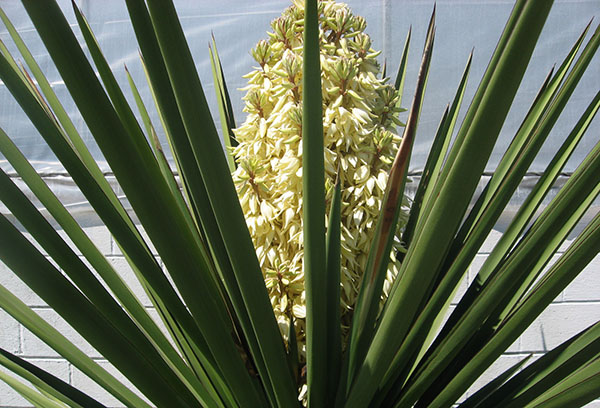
586 286
33 346
9 333
490 242
101 237
476 265
58 368
558 323
122 267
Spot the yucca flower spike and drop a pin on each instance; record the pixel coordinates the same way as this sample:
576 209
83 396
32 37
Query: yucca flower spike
359 126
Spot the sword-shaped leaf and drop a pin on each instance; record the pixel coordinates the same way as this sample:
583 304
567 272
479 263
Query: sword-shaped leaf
367 303
425 256
313 202
208 152
225 108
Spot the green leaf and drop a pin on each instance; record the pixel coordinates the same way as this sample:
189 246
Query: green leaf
91 253
71 264
523 149
225 108
313 199
120 226
88 249
223 198
549 370
165 168
61 115
582 187
112 214
226 346
425 256
527 142
436 157
35 398
43 278
192 179
334 333
47 333
577 390
367 303
157 210
481 395
529 207
159 84
452 278
401 74
47 382
292 350
194 351
521 268
170 178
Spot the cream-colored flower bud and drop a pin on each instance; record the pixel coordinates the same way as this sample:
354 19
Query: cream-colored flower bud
262 53
359 135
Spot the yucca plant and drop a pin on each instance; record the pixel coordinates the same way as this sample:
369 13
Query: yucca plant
221 345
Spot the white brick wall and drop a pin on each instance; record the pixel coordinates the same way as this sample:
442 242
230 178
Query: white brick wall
573 310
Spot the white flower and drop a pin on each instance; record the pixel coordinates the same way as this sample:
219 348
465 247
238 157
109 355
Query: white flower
359 146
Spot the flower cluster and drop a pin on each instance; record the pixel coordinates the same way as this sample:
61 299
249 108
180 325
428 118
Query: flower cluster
360 118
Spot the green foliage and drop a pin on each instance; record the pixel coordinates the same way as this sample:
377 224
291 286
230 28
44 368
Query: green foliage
222 346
